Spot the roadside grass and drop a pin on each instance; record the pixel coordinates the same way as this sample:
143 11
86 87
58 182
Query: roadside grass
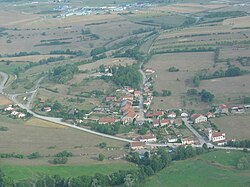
199 172
42 123
31 172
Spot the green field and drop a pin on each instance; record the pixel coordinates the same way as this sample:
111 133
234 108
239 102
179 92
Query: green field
31 172
212 169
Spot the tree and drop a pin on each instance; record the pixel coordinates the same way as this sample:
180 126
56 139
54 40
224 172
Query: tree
204 146
233 71
196 81
129 180
142 130
155 93
101 157
206 96
166 93
191 92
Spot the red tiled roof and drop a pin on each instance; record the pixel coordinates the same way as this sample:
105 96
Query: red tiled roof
107 120
222 106
137 144
194 116
165 121
216 134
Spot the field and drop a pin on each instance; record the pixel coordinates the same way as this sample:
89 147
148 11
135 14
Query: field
30 172
212 169
228 89
107 62
47 139
4 100
176 82
31 58
234 126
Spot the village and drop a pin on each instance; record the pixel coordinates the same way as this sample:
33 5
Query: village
123 109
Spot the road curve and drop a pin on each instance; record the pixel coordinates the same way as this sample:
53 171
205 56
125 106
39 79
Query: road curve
52 119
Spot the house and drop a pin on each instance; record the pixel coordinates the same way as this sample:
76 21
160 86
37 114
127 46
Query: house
42 101
146 102
172 139
110 98
129 116
156 123
187 141
137 145
146 89
198 118
222 109
130 90
164 122
210 115
217 136
128 97
184 115
172 115
125 106
47 109
148 138
21 115
14 113
9 108
149 70
178 122
155 114
137 93
107 121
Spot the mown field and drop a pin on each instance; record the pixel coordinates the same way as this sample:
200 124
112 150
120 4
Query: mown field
235 126
212 169
48 139
177 82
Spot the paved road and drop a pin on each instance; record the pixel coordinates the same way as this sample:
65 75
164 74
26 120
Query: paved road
13 97
5 78
141 112
198 136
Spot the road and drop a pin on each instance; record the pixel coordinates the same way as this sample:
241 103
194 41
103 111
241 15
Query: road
13 98
5 78
198 136
141 112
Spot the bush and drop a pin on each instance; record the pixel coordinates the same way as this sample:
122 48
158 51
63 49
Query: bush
173 69
4 128
64 154
101 157
102 145
59 160
34 155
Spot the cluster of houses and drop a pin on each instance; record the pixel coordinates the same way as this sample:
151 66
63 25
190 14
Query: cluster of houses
13 110
127 108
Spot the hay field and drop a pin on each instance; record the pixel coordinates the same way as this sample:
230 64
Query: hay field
240 22
4 100
235 52
228 87
24 139
176 82
187 7
234 126
30 58
10 18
